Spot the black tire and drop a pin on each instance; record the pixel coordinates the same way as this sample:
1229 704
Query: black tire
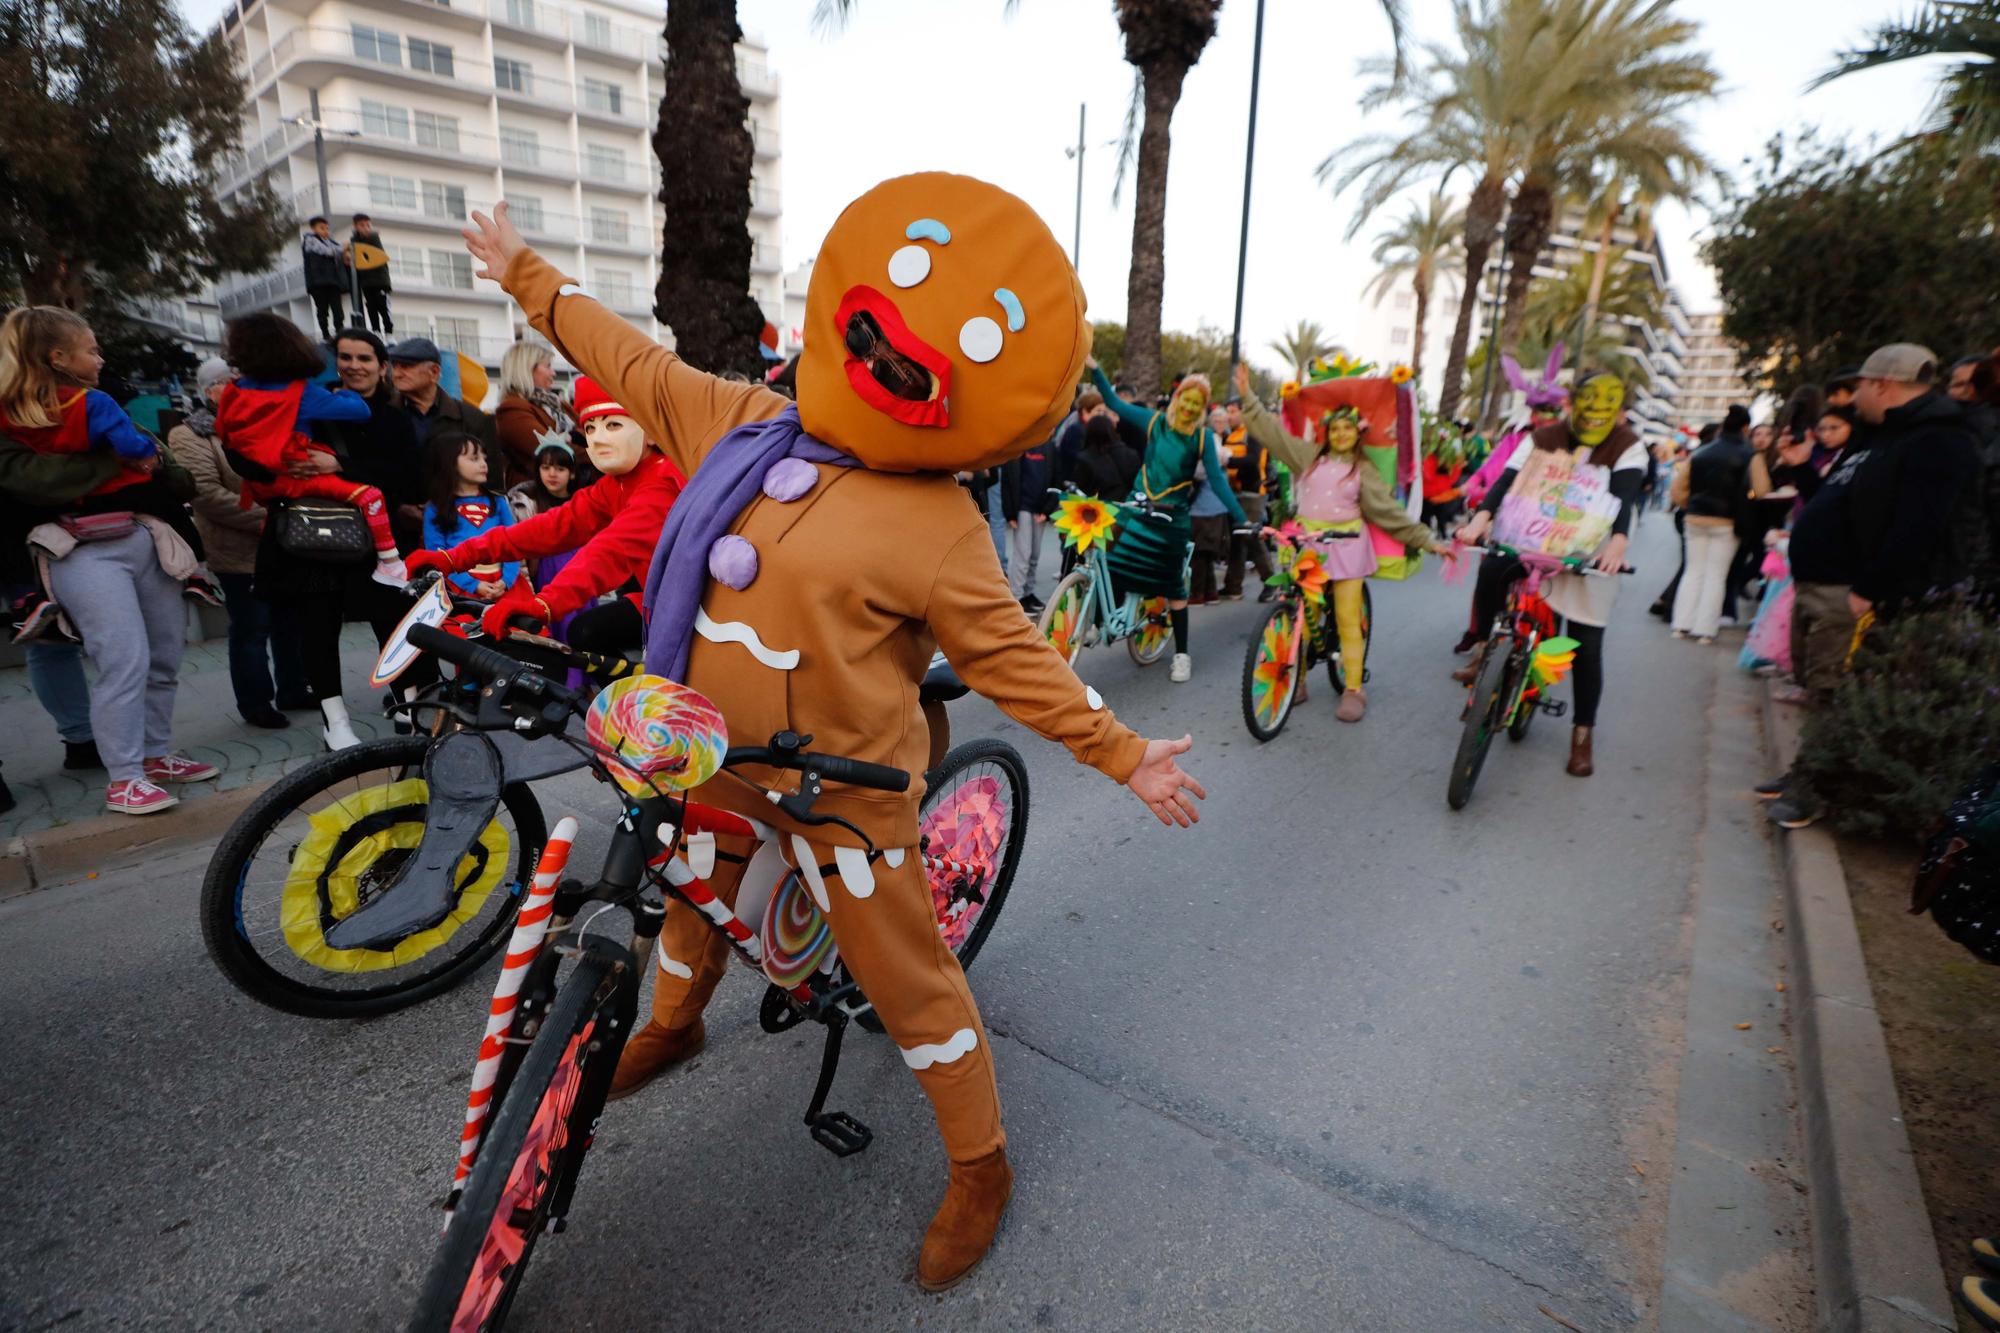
1481 720
1334 669
233 945
597 999
978 759
1261 728
1517 730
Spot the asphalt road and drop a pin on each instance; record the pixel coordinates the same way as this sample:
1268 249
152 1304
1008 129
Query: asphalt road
1337 1058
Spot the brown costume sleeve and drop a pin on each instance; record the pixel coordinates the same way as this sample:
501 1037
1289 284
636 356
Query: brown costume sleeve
684 410
1378 506
999 653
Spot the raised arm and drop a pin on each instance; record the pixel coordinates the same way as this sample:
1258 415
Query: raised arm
684 410
1137 416
1287 448
1378 506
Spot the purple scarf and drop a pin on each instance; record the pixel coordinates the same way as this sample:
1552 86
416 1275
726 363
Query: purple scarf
723 486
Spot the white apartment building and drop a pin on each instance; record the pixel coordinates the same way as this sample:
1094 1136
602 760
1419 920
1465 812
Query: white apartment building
432 108
1385 331
1713 380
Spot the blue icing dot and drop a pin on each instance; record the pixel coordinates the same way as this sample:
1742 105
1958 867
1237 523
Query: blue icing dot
732 561
790 478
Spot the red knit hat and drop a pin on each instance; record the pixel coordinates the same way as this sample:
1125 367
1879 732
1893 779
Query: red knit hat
593 401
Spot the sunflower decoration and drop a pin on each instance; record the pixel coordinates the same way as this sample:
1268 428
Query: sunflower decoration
1402 375
1288 390
1084 521
1341 367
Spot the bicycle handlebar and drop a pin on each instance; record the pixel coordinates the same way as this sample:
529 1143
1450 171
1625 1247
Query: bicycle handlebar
833 767
1569 564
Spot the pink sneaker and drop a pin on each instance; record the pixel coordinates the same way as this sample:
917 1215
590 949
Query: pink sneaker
179 768
138 797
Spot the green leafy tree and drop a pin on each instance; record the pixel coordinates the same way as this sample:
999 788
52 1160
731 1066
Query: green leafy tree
1825 253
1967 106
1205 350
117 117
1427 241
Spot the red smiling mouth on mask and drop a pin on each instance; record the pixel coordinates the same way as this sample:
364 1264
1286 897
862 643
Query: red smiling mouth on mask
890 368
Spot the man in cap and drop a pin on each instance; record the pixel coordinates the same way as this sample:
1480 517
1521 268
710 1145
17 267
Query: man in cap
1885 528
415 366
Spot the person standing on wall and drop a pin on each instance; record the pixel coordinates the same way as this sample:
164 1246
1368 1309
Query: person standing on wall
369 254
326 276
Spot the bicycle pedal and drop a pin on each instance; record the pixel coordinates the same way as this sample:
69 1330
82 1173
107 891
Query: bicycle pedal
1554 707
840 1133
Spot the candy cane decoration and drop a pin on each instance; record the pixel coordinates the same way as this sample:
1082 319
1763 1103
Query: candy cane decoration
530 928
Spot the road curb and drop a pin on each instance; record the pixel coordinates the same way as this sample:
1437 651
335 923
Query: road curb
49 857
1875 1259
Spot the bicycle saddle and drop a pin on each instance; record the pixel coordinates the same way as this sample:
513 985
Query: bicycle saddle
941 683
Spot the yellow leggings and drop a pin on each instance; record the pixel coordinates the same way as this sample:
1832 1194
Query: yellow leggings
1347 623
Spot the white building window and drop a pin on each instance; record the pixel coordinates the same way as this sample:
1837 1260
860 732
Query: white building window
613 286
599 95
444 201
436 131
451 268
1404 300
386 191
610 225
596 30
381 121
526 210
520 148
521 13
430 57
513 76
604 162
461 335
406 259
1400 334
374 44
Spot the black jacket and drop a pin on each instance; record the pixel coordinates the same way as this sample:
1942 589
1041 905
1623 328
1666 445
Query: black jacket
326 270
1719 478
372 279
1025 482
1106 466
1890 519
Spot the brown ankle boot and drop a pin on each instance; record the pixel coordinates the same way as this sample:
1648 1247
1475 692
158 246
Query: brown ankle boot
1353 706
962 1231
652 1051
1580 765
1468 673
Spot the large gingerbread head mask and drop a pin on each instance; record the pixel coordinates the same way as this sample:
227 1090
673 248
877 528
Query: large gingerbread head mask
944 328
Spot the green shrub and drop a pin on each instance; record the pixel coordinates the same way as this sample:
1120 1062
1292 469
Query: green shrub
1916 717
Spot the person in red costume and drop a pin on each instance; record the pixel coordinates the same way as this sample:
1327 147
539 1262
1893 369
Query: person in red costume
616 523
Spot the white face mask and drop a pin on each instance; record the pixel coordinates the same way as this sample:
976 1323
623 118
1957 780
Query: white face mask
615 444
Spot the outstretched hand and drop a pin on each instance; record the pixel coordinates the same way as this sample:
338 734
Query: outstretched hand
1089 361
1240 377
495 243
1164 786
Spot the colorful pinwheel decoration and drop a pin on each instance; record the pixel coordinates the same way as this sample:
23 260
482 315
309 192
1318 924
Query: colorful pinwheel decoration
1552 661
1084 521
1311 576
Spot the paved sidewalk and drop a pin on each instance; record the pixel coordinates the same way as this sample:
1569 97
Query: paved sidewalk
206 725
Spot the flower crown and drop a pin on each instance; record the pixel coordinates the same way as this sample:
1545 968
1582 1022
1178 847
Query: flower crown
1351 415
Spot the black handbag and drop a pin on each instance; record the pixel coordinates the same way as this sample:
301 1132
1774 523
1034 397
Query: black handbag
327 531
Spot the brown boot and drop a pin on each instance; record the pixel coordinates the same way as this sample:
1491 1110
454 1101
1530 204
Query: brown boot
652 1051
1580 765
962 1231
1468 673
1353 706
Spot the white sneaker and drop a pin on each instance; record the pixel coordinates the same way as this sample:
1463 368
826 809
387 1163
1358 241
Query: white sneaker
1182 668
337 732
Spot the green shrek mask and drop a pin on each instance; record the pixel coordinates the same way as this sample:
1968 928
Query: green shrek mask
1594 407
1189 405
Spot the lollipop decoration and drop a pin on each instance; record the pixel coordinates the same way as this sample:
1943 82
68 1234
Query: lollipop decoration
797 940
656 736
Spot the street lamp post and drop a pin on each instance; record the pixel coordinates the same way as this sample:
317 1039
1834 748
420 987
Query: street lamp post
1249 164
1076 246
325 197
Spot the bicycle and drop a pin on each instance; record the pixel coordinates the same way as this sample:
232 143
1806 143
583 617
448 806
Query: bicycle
1296 634
1086 609
1507 690
549 1047
441 844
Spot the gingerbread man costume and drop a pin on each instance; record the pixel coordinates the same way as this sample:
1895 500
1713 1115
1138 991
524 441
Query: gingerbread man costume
818 556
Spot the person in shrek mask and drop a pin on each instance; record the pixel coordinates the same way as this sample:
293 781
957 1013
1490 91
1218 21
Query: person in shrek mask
1595 436
1151 558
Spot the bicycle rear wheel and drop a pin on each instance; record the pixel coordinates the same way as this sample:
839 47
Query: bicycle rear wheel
1065 618
326 840
529 1160
1481 721
1272 669
1148 643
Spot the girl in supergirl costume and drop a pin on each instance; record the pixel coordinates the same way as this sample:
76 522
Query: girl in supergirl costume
265 420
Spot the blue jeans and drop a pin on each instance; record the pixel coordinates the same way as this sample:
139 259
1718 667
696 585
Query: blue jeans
55 674
261 636
997 523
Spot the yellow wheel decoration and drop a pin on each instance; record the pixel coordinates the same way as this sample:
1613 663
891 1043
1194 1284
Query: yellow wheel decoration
300 906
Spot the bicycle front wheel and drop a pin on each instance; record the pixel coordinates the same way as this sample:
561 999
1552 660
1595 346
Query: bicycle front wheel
529 1160
1065 618
1148 643
1481 721
1272 669
332 837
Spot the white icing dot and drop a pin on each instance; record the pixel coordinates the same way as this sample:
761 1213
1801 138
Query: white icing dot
1092 697
980 339
909 266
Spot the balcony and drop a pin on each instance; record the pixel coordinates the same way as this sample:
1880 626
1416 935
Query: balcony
756 79
763 258
340 50
347 128
554 164
763 202
616 173
766 139
350 197
252 292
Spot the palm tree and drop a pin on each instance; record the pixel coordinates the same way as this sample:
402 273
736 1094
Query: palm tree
1163 40
1428 241
1303 342
1967 106
1583 299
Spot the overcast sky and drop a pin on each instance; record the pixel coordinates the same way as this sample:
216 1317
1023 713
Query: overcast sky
958 85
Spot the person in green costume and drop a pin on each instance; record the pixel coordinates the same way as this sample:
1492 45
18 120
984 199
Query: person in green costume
1178 445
